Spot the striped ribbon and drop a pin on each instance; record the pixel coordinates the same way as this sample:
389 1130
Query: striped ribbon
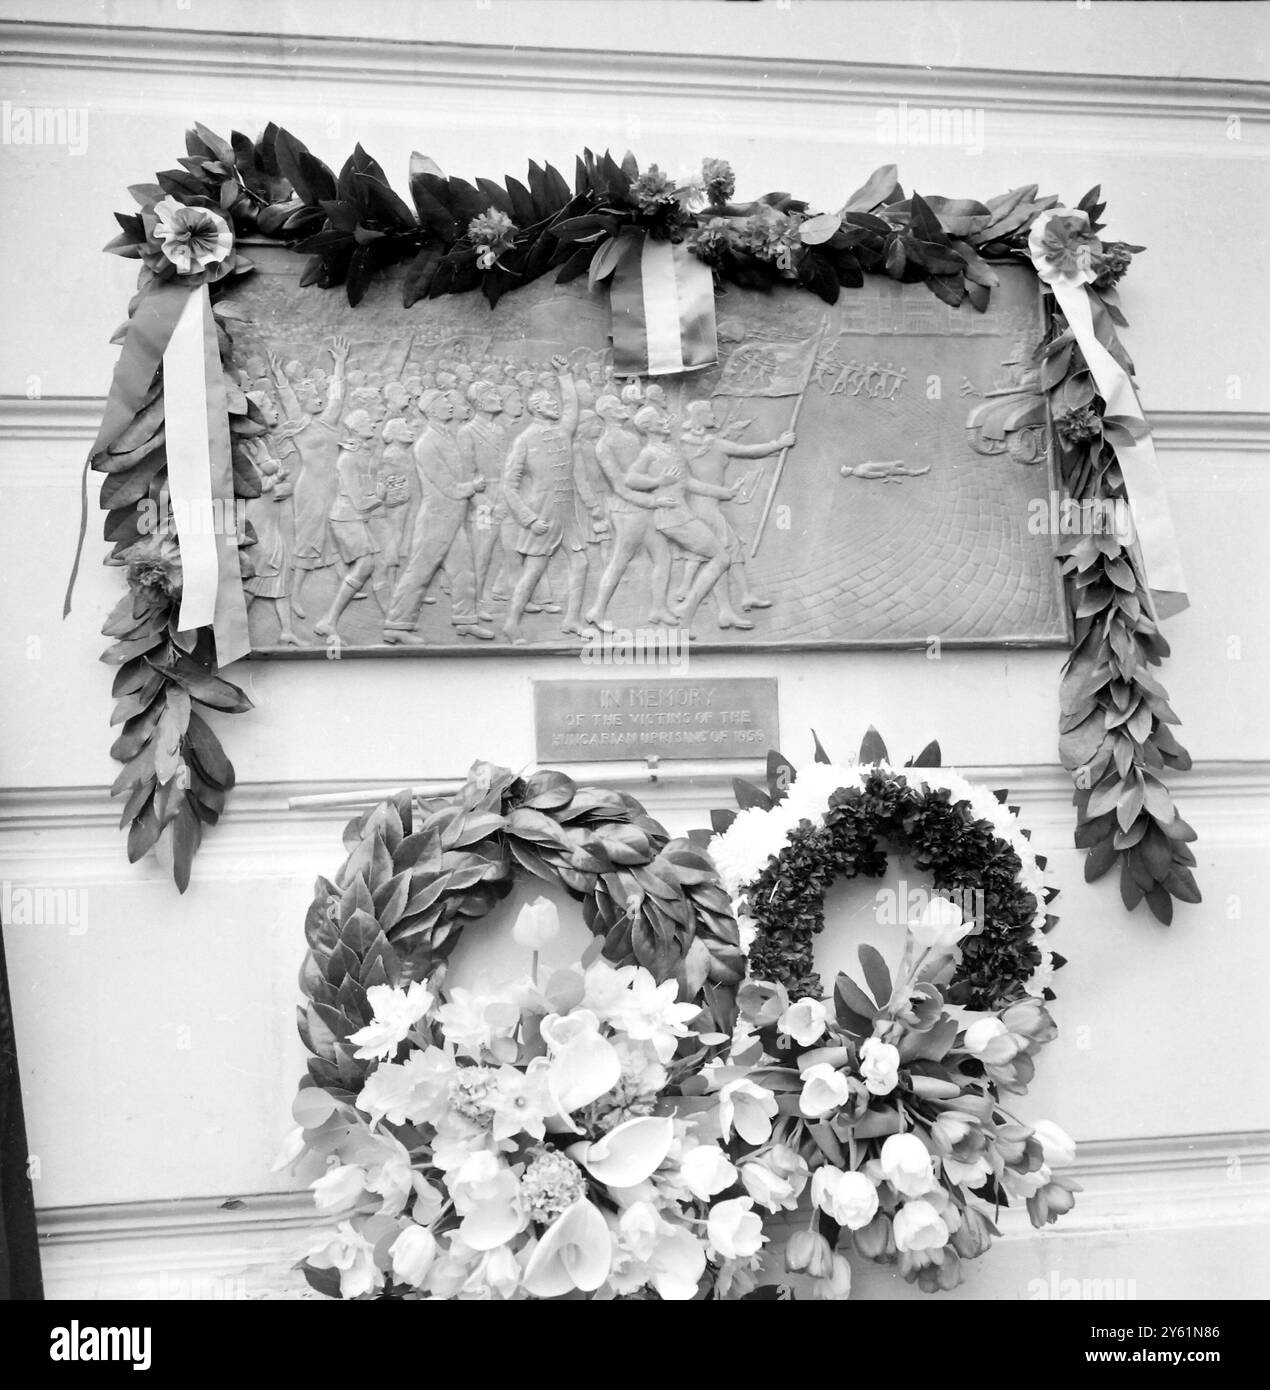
662 301
1143 483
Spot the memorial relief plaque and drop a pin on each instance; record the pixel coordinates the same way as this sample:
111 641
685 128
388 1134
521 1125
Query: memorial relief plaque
454 478
593 721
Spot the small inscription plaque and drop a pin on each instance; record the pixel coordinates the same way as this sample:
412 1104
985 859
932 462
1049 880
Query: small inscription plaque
590 721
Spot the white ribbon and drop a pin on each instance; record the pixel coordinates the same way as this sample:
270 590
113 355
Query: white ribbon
1144 487
190 463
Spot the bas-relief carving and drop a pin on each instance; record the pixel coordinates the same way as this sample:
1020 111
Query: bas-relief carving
451 476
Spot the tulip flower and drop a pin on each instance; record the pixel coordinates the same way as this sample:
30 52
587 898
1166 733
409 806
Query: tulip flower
486 1194
849 1198
706 1171
939 926
824 1089
349 1252
876 1241
537 925
918 1226
990 1040
809 1252
413 1254
836 1285
804 1021
749 1109
907 1165
734 1229
879 1066
974 1236
1058 1146
339 1187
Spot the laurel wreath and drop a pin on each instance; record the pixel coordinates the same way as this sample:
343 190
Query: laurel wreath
418 872
1115 736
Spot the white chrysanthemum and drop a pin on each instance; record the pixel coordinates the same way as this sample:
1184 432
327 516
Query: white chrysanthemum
741 853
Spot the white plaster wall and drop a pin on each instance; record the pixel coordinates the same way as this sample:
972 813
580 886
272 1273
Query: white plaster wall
161 1026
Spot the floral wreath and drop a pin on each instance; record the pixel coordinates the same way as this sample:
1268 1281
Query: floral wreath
454 237
783 849
886 1102
521 1142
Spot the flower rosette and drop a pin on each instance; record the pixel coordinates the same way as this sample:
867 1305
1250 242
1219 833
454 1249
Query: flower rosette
884 1101
519 1143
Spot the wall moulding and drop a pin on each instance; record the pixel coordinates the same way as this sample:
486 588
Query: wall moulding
408 63
244 1248
69 834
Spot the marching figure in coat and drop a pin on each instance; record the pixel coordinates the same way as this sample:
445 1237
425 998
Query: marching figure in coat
543 490
440 531
483 449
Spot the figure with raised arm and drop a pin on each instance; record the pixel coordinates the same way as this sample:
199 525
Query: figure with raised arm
545 494
317 483
708 454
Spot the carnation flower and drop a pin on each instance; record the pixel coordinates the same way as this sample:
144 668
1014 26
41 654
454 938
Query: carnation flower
718 179
154 563
1111 263
551 1184
1078 426
652 190
491 232
771 235
711 239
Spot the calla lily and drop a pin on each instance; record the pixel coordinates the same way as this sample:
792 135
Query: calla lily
628 1154
575 1252
582 1071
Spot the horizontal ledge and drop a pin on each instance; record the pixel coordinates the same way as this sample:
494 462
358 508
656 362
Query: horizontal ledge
1174 1162
39 809
76 418
412 63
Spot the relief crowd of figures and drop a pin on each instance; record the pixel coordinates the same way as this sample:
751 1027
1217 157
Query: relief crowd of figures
471 475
